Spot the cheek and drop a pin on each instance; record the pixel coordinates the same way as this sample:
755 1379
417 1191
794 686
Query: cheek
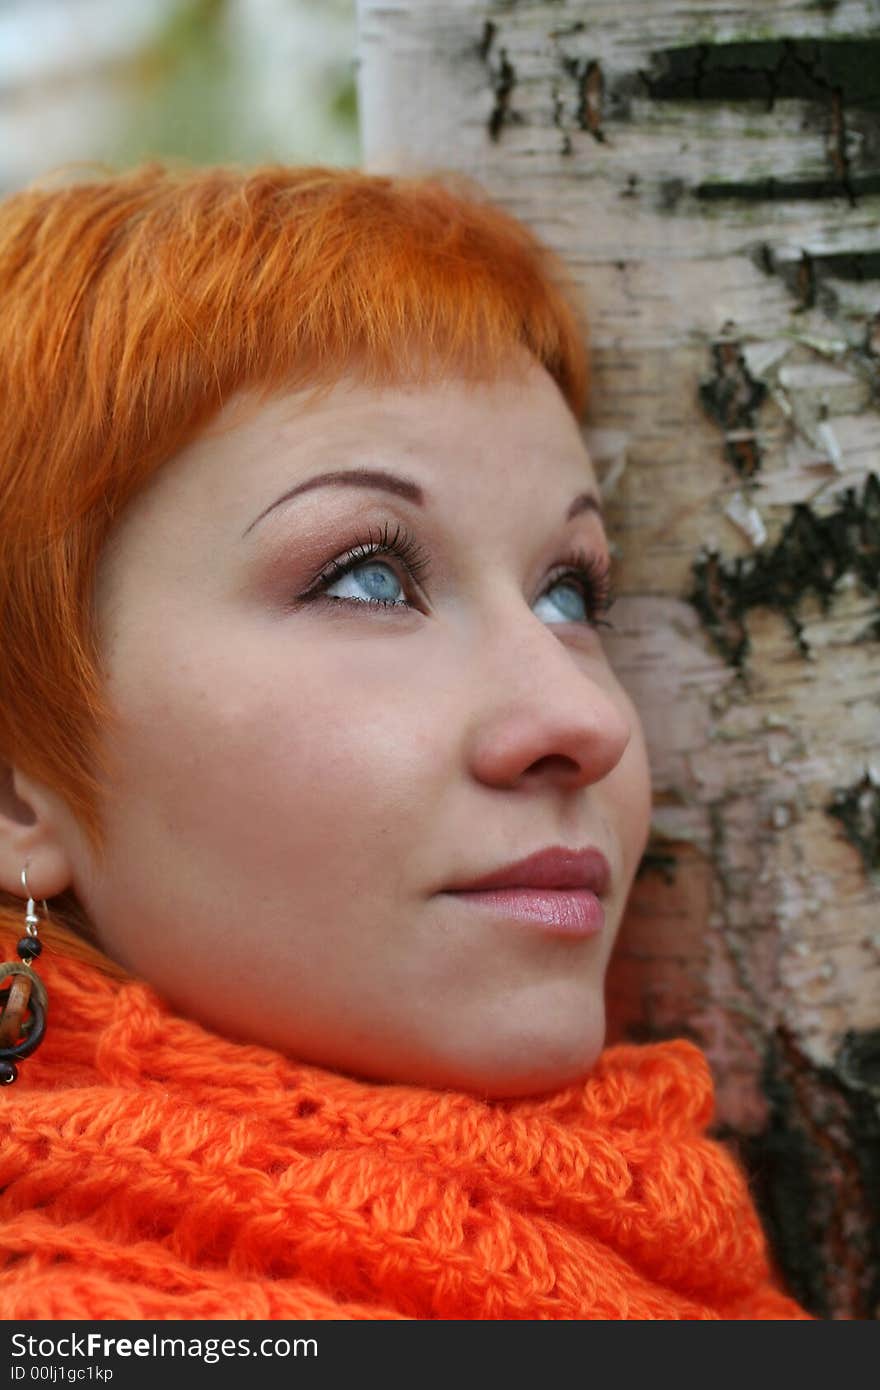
252 742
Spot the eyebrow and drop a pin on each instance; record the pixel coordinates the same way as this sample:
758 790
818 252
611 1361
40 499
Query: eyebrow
403 487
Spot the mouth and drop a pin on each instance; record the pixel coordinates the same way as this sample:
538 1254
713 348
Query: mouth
555 868
570 912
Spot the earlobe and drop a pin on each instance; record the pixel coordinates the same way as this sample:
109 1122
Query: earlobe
30 833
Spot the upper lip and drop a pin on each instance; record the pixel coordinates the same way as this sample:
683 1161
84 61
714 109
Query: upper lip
556 867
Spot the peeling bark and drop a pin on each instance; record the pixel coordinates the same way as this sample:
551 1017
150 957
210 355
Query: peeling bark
711 174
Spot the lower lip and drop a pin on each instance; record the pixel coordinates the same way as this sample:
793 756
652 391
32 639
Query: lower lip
563 911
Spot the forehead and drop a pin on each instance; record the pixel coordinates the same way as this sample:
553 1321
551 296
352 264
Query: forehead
511 440
415 411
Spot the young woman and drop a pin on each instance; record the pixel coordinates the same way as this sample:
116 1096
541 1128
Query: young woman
319 800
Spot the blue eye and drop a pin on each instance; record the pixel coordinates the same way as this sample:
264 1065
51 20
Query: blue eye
377 578
585 581
414 561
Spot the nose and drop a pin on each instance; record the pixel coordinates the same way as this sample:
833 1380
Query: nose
549 710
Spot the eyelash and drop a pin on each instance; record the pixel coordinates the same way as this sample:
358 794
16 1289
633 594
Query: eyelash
592 573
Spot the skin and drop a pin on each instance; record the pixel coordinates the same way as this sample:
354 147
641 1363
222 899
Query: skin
296 782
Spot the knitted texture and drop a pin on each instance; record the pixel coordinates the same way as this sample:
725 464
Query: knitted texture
150 1169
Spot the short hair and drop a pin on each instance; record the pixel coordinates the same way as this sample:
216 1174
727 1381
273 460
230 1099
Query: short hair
133 305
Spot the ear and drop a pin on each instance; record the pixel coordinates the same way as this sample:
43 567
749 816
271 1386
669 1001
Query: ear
32 821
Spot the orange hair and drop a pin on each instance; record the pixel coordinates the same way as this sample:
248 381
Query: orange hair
133 306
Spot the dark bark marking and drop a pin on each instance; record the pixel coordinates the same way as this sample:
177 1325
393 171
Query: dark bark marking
589 81
805 281
772 190
811 279
671 193
566 147
809 69
717 599
858 809
815 1172
812 554
856 267
851 265
598 99
577 28
835 74
503 79
655 861
592 91
733 397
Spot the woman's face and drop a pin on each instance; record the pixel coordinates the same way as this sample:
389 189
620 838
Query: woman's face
299 778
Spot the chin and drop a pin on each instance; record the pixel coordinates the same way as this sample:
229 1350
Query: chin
524 1062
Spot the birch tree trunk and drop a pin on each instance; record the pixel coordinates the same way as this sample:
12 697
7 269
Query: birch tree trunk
711 172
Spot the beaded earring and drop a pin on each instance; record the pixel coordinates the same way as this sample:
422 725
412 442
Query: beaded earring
20 1035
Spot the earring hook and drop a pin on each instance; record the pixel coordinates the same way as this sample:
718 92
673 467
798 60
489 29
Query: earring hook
30 917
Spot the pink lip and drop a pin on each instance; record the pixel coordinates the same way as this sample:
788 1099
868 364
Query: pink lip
556 868
562 912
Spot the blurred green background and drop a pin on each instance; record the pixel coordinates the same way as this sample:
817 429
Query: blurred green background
204 81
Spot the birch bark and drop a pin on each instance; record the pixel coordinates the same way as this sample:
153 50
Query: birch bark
711 173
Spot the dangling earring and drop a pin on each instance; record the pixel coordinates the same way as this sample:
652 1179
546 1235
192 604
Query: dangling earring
20 1036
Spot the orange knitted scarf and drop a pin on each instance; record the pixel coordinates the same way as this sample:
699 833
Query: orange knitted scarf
150 1169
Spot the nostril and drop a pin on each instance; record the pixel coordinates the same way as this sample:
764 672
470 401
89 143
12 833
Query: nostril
553 762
